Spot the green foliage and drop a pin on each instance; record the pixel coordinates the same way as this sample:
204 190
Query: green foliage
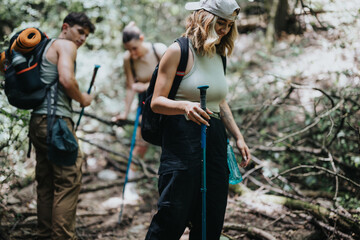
349 202
265 104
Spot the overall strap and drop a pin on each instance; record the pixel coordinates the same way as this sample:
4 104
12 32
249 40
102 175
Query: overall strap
51 111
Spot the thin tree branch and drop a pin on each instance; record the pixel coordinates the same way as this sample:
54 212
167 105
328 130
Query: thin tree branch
319 168
135 160
316 121
107 122
298 86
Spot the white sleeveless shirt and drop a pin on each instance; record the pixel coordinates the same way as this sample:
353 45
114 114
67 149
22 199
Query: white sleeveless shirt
205 71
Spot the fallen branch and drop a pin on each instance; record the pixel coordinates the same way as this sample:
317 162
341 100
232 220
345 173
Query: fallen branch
270 188
274 221
312 13
118 166
256 232
331 229
278 100
318 211
134 160
336 176
286 148
18 224
298 86
319 168
316 121
106 185
12 115
345 223
107 122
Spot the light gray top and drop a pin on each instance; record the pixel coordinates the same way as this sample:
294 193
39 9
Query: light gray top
48 74
205 71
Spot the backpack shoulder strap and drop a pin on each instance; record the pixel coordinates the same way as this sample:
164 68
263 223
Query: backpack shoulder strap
132 68
184 47
132 62
153 47
223 58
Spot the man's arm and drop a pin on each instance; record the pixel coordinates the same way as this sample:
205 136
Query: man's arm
66 51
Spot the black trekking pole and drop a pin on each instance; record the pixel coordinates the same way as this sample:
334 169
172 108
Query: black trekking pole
203 169
96 68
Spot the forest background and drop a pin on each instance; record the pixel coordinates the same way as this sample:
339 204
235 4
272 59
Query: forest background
294 92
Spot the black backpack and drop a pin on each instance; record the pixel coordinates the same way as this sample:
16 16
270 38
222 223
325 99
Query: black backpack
151 122
151 129
23 86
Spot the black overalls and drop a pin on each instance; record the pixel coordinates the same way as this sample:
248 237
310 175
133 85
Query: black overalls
179 183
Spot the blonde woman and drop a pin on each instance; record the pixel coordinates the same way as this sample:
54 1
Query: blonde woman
211 31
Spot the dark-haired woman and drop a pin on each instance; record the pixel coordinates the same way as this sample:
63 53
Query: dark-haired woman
140 60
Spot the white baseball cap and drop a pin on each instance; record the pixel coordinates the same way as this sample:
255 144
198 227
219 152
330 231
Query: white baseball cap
221 8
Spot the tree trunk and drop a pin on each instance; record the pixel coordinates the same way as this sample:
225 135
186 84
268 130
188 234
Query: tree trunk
281 17
278 16
270 31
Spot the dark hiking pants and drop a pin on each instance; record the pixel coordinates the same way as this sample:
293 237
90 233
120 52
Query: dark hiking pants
180 195
58 187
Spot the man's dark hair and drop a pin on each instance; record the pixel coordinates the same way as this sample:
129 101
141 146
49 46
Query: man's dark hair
80 19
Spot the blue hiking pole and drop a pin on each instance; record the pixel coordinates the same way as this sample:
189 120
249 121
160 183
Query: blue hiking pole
96 68
132 145
203 169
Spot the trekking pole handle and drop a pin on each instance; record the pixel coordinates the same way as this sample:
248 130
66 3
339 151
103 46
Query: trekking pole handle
203 89
96 68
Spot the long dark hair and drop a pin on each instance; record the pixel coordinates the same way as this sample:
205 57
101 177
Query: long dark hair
130 32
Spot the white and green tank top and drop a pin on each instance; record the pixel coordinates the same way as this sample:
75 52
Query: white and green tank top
205 71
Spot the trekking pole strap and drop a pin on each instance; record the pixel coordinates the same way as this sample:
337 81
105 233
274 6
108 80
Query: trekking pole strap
51 110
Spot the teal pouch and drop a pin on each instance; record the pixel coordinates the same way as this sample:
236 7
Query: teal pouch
235 175
63 148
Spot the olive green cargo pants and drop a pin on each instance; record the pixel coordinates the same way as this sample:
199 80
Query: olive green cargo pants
58 187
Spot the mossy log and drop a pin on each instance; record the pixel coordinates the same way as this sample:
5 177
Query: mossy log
319 212
256 232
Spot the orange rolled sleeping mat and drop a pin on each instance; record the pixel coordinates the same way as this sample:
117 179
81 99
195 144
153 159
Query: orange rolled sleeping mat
26 41
2 61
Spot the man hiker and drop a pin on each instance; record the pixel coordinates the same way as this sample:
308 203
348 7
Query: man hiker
58 186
